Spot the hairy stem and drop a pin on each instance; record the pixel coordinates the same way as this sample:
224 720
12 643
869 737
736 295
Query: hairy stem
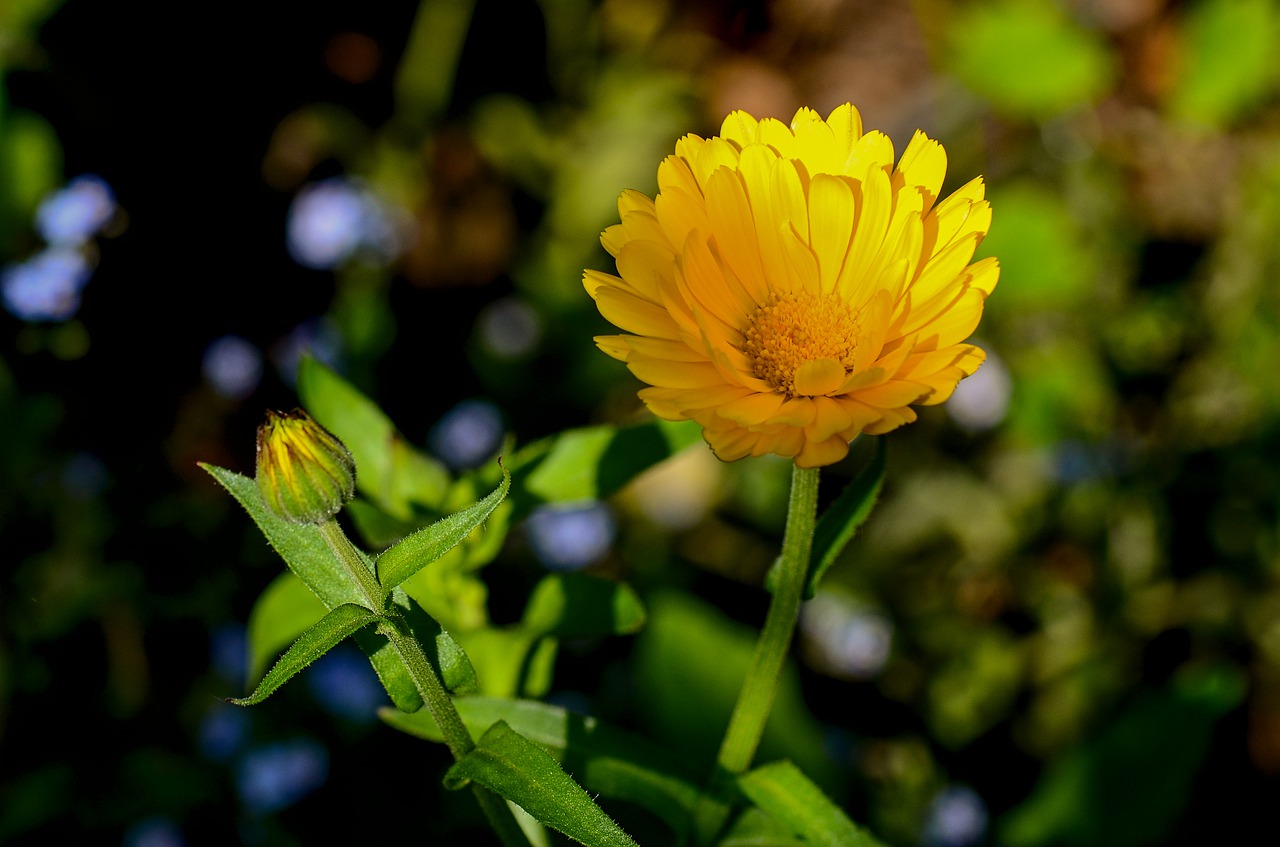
755 701
425 679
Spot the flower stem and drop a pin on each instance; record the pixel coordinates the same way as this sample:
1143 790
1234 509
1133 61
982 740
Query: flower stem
425 679
755 701
350 559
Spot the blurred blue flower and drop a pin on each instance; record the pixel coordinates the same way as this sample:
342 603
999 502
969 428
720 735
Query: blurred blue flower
314 337
274 776
84 476
845 638
223 732
229 653
75 213
957 817
509 328
153 832
345 685
570 537
336 219
467 435
233 366
47 286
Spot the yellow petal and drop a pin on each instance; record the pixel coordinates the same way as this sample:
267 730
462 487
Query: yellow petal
675 374
631 313
661 348
830 418
874 209
630 201
890 420
819 376
740 127
729 217
676 174
752 410
893 393
846 126
872 151
646 266
798 412
615 345
924 165
679 214
817 454
832 212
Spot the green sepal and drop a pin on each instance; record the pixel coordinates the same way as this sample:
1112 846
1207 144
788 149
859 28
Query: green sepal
838 524
308 556
341 622
608 760
518 769
426 545
784 793
577 605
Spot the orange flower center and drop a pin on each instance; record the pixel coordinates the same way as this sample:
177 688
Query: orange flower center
802 343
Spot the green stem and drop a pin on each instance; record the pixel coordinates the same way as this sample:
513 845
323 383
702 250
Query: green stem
456 736
455 732
349 557
755 701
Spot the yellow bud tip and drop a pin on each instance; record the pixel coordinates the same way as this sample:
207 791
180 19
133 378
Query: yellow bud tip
304 473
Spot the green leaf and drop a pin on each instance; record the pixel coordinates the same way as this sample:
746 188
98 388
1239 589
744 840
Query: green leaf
301 546
343 621
1042 248
607 760
1229 60
512 661
577 605
309 558
516 768
430 543
783 792
837 525
1128 786
690 661
282 612
456 671
592 463
753 828
1027 57
388 471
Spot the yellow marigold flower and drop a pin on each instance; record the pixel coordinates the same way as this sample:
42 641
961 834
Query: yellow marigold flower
789 288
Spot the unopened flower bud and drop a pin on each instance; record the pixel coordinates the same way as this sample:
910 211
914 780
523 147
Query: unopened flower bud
305 474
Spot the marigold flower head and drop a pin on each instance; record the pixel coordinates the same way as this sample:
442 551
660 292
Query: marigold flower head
305 474
789 288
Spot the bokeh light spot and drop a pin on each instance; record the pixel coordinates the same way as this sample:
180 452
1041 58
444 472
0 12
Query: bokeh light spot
570 537
75 213
47 286
232 366
467 435
275 776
